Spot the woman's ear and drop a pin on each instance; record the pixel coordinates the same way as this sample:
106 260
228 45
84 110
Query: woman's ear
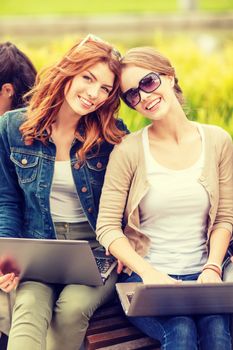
172 80
6 97
7 90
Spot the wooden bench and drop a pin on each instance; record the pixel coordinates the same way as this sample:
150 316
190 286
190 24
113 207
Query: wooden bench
109 329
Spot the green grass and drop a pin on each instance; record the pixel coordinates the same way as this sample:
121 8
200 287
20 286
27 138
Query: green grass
80 7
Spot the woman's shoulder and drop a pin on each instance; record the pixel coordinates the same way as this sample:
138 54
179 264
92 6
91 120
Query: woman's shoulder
131 140
216 133
9 126
13 119
215 129
130 149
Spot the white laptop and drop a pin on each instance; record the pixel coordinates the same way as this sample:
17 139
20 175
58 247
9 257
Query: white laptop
188 298
55 261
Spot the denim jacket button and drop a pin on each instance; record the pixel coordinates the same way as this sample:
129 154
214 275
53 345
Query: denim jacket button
84 189
24 161
99 165
90 210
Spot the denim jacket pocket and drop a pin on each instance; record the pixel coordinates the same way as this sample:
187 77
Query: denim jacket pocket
96 167
26 166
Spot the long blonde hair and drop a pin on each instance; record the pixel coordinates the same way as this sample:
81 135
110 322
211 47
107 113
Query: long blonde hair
47 97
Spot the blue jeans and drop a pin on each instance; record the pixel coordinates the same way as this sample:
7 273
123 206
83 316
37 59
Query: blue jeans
203 332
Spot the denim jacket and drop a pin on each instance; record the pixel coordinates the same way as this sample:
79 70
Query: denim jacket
26 174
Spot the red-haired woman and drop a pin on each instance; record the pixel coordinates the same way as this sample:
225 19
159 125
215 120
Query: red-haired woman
52 164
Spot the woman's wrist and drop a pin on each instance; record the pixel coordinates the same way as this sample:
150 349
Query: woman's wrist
147 270
214 267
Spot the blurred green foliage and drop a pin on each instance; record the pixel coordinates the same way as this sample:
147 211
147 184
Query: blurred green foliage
205 76
74 7
203 66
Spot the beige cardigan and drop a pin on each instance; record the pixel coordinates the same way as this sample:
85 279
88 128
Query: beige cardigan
125 185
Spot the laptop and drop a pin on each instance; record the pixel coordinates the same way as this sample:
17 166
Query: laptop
55 261
189 298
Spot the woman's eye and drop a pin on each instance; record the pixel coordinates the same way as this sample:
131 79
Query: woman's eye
86 77
106 89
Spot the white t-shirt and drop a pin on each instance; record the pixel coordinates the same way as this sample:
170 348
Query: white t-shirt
65 205
174 214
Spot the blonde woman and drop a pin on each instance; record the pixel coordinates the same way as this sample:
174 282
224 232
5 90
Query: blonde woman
172 185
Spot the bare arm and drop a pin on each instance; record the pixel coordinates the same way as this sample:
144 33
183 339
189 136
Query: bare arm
122 250
219 242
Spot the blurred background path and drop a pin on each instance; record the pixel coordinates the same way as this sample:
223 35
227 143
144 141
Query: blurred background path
197 35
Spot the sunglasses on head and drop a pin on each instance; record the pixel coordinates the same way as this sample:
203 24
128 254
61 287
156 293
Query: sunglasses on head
148 83
94 38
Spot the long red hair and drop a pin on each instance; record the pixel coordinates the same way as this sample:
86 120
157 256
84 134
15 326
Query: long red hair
47 97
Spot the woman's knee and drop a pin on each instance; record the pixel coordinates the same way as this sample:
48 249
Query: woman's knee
76 313
29 301
214 330
182 329
26 300
79 303
214 324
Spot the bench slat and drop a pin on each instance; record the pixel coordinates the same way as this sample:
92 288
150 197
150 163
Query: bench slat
107 311
109 329
108 324
142 343
96 341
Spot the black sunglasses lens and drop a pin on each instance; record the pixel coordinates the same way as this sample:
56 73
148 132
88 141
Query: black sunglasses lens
147 84
150 82
132 97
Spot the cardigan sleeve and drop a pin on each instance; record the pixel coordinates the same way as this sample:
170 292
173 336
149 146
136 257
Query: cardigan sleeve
114 195
224 216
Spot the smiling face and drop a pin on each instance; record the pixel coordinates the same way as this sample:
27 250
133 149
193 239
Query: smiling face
89 89
156 104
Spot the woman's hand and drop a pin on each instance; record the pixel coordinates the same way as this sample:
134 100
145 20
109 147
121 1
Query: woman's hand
152 276
9 274
8 282
209 276
120 265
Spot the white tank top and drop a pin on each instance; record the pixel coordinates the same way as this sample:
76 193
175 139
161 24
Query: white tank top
65 205
174 214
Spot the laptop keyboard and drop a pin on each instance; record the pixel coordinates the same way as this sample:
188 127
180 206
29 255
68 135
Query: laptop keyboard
104 264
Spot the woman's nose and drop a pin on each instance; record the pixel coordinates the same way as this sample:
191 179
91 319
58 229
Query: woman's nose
93 92
144 95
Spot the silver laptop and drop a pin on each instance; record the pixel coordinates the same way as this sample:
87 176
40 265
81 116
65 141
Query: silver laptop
189 298
55 261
